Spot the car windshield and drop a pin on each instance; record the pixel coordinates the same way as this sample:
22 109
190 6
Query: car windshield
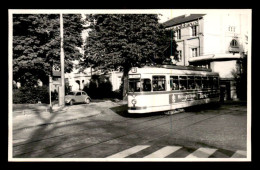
71 93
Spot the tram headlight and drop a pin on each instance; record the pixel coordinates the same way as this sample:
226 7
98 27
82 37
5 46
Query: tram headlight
134 101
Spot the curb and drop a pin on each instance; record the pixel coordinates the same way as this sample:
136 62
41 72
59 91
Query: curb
41 110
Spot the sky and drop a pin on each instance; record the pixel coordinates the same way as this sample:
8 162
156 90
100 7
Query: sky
167 13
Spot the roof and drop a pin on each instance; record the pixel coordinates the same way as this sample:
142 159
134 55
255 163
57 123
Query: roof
172 70
221 57
182 19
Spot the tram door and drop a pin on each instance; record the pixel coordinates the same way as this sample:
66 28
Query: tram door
222 93
225 93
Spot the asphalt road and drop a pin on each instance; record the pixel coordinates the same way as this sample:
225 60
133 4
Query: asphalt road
105 130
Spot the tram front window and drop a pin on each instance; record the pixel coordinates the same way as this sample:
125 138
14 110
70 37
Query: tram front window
134 85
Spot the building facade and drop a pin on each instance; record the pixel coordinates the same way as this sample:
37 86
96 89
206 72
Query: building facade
215 41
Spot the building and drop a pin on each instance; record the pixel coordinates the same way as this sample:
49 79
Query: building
215 41
77 80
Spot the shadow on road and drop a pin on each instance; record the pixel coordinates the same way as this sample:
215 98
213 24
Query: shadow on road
203 107
122 111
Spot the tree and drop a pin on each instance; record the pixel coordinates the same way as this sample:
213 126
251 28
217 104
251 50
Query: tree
36 45
125 40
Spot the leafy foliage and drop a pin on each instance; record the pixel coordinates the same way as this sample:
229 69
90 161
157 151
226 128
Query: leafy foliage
31 95
121 41
36 45
99 87
125 40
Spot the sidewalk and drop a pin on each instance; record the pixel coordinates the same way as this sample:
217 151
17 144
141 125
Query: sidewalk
40 115
32 108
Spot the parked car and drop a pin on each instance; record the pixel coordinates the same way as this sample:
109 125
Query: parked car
77 97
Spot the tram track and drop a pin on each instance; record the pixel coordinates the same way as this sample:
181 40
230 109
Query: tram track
120 136
104 126
144 142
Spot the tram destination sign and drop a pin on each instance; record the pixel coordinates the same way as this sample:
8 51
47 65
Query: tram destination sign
134 76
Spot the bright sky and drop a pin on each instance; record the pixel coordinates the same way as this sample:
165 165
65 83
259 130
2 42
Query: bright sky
168 13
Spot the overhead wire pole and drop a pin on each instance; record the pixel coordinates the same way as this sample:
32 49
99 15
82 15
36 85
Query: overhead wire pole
62 87
50 83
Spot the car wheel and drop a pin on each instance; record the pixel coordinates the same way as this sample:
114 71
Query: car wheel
87 101
71 102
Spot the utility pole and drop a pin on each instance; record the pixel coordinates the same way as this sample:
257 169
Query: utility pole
62 86
50 83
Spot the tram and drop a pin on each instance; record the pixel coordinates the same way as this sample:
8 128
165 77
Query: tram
170 88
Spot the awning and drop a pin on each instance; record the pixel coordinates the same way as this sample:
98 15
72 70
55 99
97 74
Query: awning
229 56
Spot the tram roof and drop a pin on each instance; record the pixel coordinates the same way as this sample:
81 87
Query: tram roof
171 69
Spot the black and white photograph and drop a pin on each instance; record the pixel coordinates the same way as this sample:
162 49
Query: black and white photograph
129 85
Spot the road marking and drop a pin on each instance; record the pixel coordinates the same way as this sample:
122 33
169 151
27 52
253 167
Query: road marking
239 154
165 151
201 153
129 151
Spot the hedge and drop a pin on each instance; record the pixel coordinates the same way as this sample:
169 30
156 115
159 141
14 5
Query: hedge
32 95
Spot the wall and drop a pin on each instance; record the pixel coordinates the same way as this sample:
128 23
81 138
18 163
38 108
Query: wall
217 35
116 79
224 68
188 41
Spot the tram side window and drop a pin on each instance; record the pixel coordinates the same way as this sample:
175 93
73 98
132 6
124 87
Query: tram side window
158 83
197 82
174 82
210 82
134 85
146 85
191 83
215 82
183 83
204 81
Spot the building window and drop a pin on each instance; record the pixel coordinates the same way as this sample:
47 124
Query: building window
232 28
178 34
234 43
180 55
194 52
194 30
